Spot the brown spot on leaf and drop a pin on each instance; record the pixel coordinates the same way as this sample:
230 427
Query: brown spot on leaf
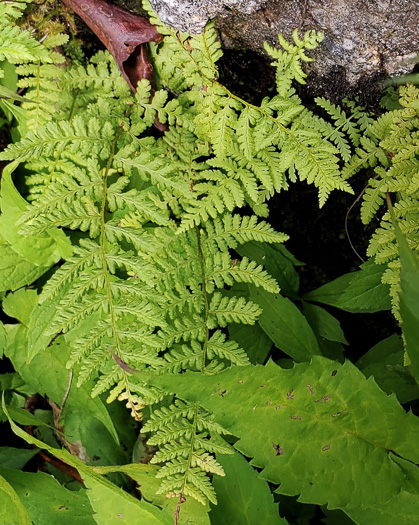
76 449
326 447
277 407
240 381
312 392
326 398
339 413
268 402
279 451
290 394
296 417
261 386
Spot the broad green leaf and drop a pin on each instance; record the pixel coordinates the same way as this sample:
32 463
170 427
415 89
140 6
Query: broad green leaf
243 497
11 506
16 457
111 504
12 110
385 361
356 292
40 320
253 340
8 88
20 304
409 301
321 430
13 381
10 77
84 417
323 323
7 93
191 511
278 262
3 338
9 81
286 326
48 502
23 417
327 330
403 509
30 255
15 271
336 517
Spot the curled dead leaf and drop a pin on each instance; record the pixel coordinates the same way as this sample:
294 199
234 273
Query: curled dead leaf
123 33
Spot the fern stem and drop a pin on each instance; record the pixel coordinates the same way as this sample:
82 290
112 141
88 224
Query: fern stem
102 241
204 296
73 104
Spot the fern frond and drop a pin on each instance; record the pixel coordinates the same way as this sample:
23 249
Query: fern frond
145 204
391 146
186 440
188 328
69 185
12 10
144 292
99 78
87 254
164 415
18 46
224 272
157 170
373 199
226 349
224 310
190 358
233 230
72 315
92 363
88 138
288 62
223 194
83 215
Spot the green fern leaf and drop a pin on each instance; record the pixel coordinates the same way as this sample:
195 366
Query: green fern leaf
230 350
224 310
245 271
91 138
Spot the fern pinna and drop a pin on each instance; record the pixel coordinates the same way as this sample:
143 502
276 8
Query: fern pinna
390 148
152 223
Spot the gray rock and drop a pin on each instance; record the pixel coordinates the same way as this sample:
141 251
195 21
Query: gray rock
365 41
192 15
